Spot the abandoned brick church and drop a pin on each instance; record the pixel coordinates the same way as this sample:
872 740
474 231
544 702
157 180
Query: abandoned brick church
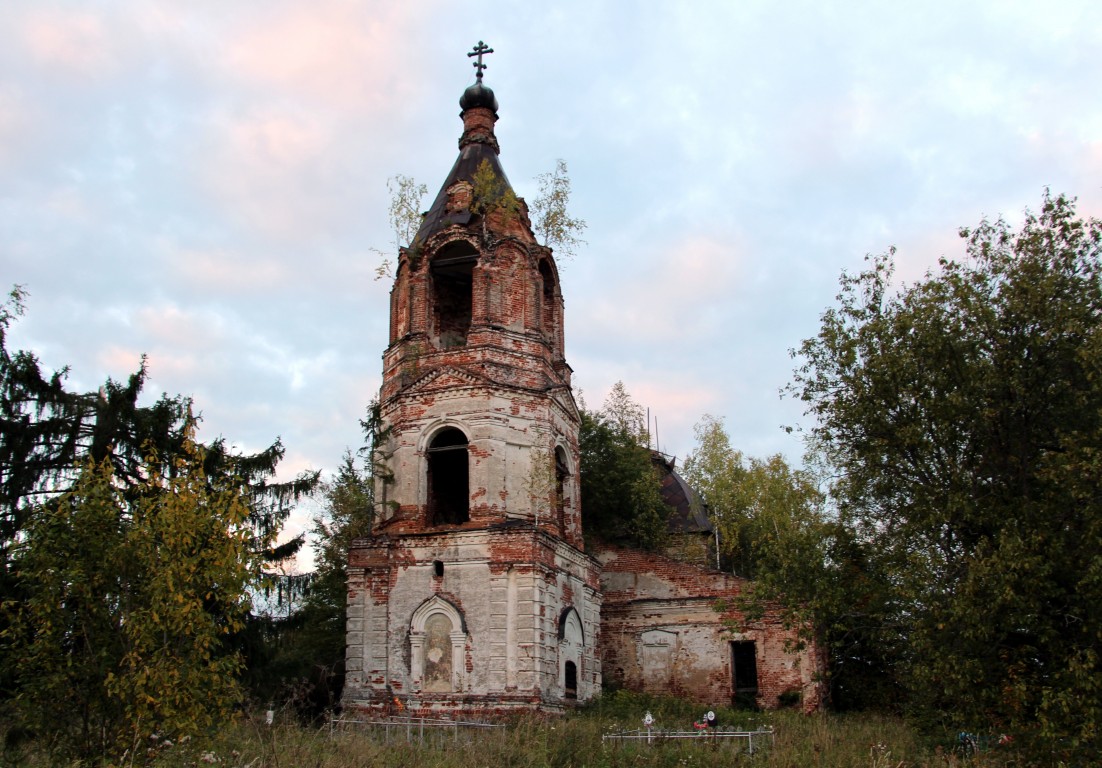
476 593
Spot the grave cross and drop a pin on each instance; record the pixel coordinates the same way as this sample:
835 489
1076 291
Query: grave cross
480 49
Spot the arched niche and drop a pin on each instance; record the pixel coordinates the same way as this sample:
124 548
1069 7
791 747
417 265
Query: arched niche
571 643
437 638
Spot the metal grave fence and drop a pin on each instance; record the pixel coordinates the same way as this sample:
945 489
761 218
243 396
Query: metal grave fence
755 740
423 730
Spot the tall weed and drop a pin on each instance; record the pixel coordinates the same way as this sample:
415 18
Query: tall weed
575 741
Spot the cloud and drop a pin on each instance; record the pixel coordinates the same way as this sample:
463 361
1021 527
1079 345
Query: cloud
346 55
223 271
75 43
271 171
18 118
663 294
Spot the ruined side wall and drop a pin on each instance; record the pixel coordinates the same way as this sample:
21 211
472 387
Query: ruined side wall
661 634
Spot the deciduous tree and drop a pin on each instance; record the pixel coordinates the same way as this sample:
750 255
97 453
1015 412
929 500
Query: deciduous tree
718 473
551 217
403 214
128 605
963 416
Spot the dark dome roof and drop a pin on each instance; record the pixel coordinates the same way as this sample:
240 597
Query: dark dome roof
478 95
687 510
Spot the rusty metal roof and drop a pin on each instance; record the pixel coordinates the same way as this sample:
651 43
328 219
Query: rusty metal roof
688 512
470 158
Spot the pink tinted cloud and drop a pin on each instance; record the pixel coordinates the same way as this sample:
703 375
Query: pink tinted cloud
73 42
346 54
664 298
18 119
169 327
676 402
277 140
271 169
119 361
220 271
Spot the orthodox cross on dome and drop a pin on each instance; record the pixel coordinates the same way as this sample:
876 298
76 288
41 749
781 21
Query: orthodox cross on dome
480 49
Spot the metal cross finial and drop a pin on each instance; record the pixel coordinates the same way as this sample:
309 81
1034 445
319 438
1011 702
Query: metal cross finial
480 49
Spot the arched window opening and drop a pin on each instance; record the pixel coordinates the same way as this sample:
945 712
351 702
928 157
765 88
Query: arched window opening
449 494
561 473
547 304
570 673
452 271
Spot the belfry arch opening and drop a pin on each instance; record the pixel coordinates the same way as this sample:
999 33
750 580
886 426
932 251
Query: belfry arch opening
548 304
448 478
562 472
452 270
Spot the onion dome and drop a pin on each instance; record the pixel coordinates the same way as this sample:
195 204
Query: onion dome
478 95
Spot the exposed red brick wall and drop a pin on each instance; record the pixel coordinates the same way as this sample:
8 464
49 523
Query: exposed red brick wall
645 592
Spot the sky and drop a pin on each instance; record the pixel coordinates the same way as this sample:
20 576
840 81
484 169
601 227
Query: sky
206 183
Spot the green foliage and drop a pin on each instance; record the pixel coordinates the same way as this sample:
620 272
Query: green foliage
773 528
40 425
491 195
347 513
718 473
764 509
404 215
963 415
551 218
157 501
61 638
128 603
626 415
405 208
621 495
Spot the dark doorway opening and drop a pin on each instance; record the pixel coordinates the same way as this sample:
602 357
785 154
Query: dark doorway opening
449 495
744 675
571 674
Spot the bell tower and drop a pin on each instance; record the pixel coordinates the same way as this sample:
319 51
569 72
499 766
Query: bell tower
474 592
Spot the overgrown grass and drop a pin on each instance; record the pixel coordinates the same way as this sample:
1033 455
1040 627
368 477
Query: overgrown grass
575 741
